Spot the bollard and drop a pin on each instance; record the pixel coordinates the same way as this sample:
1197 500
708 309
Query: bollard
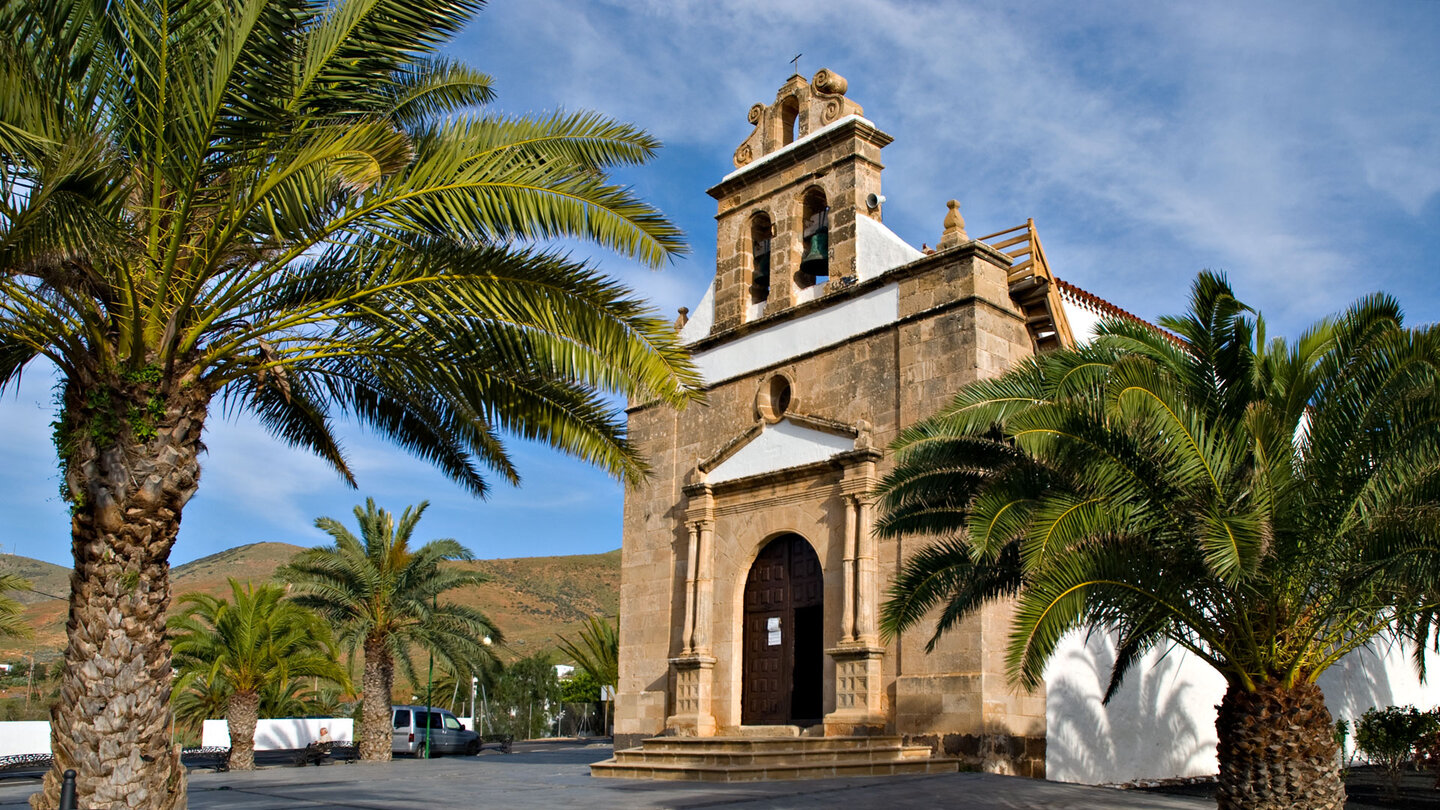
67 791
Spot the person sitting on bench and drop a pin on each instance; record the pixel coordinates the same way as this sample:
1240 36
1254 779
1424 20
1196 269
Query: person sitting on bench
318 751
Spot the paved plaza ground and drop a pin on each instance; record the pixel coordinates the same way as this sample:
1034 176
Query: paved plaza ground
556 775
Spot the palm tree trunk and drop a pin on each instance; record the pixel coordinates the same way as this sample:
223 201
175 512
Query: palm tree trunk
1277 750
242 712
130 466
375 722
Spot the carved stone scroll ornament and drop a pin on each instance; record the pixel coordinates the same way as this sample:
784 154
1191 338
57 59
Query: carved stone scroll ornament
829 83
822 101
746 152
827 90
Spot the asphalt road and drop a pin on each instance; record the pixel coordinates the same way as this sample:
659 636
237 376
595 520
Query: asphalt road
555 775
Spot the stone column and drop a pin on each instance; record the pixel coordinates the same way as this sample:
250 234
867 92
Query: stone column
687 635
866 599
847 571
704 585
859 703
695 666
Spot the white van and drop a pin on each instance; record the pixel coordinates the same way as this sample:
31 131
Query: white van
448 734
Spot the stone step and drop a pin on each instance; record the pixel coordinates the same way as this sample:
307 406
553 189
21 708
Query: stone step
754 773
680 744
808 755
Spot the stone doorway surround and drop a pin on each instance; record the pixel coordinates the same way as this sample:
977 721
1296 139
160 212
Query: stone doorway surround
782 637
730 512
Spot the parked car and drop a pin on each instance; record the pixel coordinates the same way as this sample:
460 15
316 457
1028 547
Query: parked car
448 734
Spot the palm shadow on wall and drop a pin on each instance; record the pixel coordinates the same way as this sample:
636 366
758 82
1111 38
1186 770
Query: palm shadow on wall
1361 681
1148 730
1162 721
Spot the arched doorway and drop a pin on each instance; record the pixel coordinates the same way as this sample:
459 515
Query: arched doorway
784 653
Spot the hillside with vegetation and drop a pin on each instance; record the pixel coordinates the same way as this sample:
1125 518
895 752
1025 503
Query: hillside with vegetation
533 600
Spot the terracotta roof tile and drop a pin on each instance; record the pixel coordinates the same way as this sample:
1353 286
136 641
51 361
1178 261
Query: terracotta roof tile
1105 309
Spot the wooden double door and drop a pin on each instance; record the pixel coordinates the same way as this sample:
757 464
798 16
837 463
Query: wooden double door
783 671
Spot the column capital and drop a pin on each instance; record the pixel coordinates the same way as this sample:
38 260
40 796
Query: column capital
699 505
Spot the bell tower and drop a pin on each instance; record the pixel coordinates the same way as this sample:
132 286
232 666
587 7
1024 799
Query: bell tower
786 224
751 570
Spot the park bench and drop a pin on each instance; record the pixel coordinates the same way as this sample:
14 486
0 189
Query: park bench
319 753
213 757
25 765
500 741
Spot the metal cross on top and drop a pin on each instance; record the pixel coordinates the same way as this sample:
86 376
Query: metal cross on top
796 63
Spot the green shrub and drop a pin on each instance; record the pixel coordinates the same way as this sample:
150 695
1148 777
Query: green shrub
1342 736
580 687
1388 737
525 695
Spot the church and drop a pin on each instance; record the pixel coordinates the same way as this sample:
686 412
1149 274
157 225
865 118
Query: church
750 578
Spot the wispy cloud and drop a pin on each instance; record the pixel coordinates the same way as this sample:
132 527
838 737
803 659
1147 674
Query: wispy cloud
1276 142
1294 144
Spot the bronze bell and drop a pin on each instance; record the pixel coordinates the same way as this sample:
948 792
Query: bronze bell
817 253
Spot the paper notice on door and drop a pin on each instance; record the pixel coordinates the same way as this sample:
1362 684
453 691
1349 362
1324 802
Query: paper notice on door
772 630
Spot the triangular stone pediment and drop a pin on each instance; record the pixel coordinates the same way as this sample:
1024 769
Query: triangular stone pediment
779 446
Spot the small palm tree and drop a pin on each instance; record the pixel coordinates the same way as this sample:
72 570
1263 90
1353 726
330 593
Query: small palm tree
597 652
451 688
524 694
1267 506
252 646
12 620
199 699
382 596
293 697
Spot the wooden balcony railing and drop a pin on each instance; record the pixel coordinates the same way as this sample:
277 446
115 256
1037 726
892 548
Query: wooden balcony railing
1032 286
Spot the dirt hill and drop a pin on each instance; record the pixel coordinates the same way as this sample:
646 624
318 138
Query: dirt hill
532 600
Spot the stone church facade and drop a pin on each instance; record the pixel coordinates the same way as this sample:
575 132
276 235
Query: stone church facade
751 578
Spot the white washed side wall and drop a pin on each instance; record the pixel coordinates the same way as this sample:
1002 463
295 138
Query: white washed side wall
1161 724
281 734
24 737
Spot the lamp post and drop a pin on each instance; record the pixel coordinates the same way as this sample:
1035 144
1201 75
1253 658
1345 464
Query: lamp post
429 684
486 705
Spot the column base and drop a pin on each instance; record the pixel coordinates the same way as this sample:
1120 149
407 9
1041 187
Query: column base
694 682
859 706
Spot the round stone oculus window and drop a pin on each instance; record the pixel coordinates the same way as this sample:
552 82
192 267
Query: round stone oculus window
775 398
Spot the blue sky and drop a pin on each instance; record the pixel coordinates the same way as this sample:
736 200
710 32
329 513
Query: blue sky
1295 146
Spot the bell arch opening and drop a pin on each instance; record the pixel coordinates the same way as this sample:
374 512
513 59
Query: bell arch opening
782 680
814 240
760 233
789 111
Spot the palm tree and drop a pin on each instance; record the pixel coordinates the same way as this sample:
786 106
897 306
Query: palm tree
296 697
451 688
197 700
12 620
597 652
288 208
382 596
252 647
1266 506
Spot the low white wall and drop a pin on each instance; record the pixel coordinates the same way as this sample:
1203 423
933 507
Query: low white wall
24 737
1161 724
280 734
